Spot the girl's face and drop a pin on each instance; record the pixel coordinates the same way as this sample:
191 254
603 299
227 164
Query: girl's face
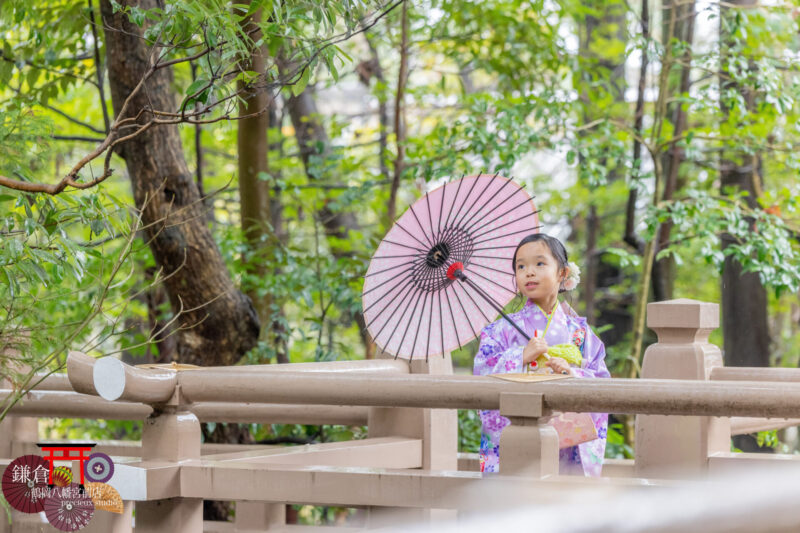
538 275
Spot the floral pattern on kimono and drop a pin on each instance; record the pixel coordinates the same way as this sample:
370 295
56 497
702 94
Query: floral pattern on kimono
500 352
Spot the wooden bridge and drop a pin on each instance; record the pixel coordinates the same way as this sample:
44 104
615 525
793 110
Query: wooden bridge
687 406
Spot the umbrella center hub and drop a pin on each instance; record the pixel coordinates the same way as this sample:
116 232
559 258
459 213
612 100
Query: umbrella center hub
438 255
429 272
68 506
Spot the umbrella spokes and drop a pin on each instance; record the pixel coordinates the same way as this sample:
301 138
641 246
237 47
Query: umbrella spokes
457 272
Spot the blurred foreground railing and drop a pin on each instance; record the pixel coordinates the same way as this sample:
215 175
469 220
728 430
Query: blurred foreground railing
687 407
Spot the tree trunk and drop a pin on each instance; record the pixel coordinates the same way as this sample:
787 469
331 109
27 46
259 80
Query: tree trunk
664 268
744 300
399 119
255 192
608 26
592 258
383 113
217 322
631 237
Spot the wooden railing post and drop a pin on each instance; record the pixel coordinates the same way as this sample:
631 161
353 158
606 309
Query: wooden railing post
438 429
16 430
529 446
679 446
259 516
174 436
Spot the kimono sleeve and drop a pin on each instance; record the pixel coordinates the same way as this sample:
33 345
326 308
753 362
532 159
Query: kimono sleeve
594 355
494 357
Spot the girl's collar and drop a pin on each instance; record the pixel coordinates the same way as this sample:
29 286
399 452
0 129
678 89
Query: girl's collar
532 304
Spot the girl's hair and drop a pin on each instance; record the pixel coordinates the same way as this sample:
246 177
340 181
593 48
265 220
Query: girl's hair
555 246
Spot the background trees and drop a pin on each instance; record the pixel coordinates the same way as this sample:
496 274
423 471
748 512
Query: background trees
205 182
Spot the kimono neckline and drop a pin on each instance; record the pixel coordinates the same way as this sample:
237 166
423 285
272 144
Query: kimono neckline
531 306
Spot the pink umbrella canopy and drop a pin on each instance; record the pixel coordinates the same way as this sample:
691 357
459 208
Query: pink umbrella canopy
443 271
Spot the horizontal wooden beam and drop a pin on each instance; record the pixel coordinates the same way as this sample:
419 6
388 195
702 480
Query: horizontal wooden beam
733 373
382 452
381 487
629 396
744 425
262 413
112 379
210 526
67 404
735 463
51 403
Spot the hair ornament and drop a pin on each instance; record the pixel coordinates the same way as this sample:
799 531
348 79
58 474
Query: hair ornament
573 278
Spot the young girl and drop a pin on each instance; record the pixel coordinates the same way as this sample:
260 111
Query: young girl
542 272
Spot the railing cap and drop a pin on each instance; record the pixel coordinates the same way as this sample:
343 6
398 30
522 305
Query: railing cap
683 313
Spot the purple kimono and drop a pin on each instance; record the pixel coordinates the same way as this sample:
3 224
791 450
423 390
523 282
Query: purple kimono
500 352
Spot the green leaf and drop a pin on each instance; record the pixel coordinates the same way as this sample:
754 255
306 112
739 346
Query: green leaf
301 84
195 86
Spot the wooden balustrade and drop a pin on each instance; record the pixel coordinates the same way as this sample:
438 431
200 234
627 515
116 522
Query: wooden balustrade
684 402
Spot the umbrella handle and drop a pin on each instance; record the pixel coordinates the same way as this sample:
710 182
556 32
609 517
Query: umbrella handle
456 271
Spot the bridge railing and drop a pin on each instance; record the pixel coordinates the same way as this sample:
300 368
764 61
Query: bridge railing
684 405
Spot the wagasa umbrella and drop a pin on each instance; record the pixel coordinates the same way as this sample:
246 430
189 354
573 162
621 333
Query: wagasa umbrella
443 271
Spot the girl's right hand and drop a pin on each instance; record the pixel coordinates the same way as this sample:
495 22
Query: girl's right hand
535 347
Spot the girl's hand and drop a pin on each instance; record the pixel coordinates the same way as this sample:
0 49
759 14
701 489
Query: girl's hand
559 365
535 347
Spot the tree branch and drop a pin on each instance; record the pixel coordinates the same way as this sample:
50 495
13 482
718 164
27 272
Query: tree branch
113 138
77 138
399 116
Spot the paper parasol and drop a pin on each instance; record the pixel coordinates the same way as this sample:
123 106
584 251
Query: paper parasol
25 483
443 271
68 508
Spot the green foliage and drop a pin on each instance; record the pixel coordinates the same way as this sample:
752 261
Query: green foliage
64 287
312 434
314 515
616 446
92 430
760 241
767 438
522 88
469 431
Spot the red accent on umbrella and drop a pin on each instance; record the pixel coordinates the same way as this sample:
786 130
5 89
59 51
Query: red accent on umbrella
417 301
25 483
451 272
69 508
